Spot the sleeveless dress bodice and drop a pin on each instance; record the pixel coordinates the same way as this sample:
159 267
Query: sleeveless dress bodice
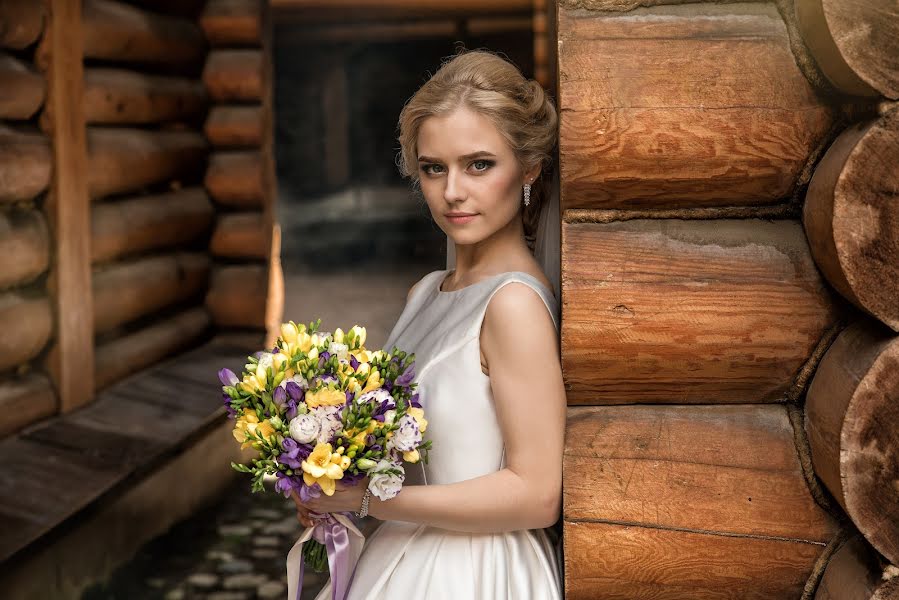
410 560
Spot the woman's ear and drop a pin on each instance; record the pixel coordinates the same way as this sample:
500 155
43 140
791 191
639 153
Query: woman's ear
530 175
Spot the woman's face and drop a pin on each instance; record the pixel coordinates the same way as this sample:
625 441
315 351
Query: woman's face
467 168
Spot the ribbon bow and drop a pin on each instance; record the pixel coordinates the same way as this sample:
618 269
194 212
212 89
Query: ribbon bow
343 542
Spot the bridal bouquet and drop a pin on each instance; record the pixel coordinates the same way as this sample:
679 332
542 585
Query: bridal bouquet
320 408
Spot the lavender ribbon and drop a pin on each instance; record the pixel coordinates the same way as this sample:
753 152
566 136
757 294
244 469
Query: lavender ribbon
343 543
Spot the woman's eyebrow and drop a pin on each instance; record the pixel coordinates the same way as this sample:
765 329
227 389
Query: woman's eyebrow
461 158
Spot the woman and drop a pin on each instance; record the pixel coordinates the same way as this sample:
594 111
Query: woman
472 523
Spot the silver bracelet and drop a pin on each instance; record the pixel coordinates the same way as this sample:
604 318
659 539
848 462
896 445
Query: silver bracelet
363 512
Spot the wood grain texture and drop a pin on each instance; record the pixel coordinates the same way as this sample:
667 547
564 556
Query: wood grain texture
126 291
24 400
237 296
25 165
709 95
21 23
27 324
688 312
119 96
126 160
23 89
851 219
24 246
854 573
234 126
150 223
234 75
240 235
235 179
852 419
232 22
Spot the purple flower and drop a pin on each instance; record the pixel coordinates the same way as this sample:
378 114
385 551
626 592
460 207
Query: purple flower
295 391
370 439
286 484
351 479
353 362
307 493
227 400
294 453
406 378
227 377
291 410
349 395
280 396
414 400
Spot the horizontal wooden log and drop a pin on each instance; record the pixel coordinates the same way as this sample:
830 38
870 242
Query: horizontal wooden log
232 22
235 179
149 223
854 573
851 219
237 296
708 95
234 75
728 517
25 165
24 400
120 96
126 160
852 419
125 292
234 126
23 89
119 32
24 246
124 356
312 11
854 42
26 323
21 23
190 9
688 312
240 235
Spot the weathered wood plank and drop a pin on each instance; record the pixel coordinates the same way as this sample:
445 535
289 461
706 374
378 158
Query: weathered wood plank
854 573
236 179
240 235
234 75
232 22
237 296
24 400
21 23
23 89
24 246
26 323
234 126
121 96
26 163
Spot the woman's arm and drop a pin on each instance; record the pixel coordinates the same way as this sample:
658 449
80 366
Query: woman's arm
520 344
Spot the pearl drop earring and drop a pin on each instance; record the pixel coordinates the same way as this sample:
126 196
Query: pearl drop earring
527 194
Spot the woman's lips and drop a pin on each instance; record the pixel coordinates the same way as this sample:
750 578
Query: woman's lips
461 219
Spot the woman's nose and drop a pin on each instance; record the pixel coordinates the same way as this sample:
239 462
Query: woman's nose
454 190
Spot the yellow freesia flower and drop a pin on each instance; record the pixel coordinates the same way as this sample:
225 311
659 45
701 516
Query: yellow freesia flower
374 381
246 425
338 335
358 334
320 467
411 456
419 415
325 397
252 382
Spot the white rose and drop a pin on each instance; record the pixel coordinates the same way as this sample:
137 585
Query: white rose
329 420
386 485
305 428
408 436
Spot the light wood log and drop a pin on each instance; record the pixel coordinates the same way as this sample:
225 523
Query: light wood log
126 355
688 312
24 246
24 400
235 179
850 216
852 419
234 75
25 165
854 573
127 291
26 323
237 296
708 95
125 160
699 502
234 126
22 89
854 42
121 96
21 23
149 223
232 22
240 235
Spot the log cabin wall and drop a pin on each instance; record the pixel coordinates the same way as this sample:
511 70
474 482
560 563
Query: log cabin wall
730 242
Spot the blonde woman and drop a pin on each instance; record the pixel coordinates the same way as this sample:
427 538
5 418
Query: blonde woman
476 521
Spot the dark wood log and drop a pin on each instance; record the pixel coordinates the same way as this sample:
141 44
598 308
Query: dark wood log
23 89
235 179
852 420
709 96
182 8
851 220
127 291
24 400
149 223
234 75
699 502
27 323
854 573
232 22
21 23
688 312
854 42
237 296
25 165
234 126
306 11
121 96
24 246
240 235
126 355
125 160
274 301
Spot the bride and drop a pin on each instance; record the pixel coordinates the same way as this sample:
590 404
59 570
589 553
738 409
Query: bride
475 522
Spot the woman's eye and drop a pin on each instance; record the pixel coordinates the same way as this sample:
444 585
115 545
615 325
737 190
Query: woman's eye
428 169
486 164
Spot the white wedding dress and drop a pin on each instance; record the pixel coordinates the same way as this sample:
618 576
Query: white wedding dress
404 560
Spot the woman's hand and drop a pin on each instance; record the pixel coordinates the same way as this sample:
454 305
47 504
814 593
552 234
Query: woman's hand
344 499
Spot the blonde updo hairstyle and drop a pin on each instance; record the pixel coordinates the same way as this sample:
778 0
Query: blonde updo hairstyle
490 85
